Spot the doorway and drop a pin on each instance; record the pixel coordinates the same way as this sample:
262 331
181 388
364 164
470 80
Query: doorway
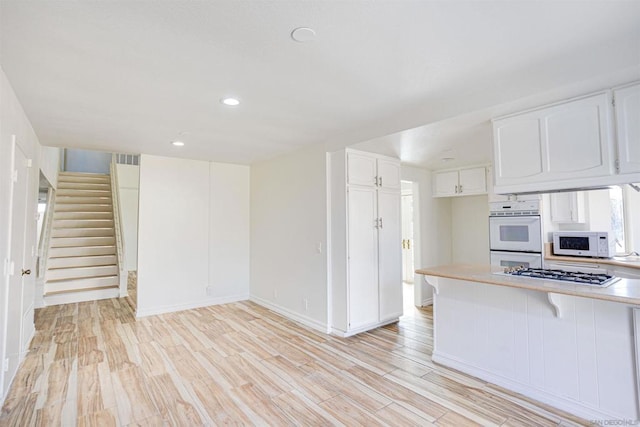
408 245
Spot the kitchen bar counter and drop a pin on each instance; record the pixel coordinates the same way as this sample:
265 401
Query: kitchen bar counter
626 262
571 346
624 290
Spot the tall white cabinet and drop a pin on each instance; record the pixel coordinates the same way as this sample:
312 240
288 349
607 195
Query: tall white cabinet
366 241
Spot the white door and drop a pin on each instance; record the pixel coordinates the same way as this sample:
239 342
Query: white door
19 317
362 256
407 238
586 122
361 170
389 174
472 181
445 183
390 255
628 126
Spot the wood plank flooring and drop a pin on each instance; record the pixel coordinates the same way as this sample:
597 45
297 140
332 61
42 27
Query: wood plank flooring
94 364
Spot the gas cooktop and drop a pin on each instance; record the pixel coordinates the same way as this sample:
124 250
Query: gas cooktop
577 277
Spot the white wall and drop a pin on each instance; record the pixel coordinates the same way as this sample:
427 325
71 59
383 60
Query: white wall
50 164
128 183
470 230
179 200
432 221
288 222
13 121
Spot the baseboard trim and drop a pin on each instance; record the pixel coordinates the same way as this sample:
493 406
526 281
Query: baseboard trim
577 408
427 302
292 315
352 332
190 305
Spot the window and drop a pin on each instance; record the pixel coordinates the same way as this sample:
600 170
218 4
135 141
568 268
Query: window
616 195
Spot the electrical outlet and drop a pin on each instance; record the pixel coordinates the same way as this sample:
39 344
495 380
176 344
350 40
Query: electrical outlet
319 247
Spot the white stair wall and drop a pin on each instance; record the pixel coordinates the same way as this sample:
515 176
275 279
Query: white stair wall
82 261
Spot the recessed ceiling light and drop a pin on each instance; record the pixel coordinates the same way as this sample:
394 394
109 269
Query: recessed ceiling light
177 143
231 102
447 159
303 34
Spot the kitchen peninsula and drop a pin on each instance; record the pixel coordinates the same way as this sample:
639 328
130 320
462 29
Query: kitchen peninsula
569 345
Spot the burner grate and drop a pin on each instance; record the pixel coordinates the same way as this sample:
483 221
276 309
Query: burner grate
598 279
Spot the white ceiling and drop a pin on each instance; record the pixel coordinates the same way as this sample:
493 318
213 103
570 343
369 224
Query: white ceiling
130 76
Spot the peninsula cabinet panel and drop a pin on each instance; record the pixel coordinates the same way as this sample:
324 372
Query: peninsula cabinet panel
627 110
579 358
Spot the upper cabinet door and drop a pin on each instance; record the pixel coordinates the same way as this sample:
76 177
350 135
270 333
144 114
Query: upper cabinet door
577 139
361 170
445 184
517 149
472 181
627 110
389 174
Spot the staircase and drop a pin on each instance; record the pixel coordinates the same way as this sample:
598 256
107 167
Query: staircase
82 263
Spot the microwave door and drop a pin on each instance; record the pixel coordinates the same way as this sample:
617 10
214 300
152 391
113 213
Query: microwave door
515 259
522 233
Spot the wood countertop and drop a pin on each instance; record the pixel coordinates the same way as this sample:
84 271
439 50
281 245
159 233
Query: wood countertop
624 290
628 262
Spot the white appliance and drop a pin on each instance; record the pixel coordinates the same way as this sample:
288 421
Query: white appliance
515 233
515 259
515 226
597 244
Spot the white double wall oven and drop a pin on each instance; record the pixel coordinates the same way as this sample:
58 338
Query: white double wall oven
515 233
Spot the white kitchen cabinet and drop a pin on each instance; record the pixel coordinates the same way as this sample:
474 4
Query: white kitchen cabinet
369 170
554 147
366 249
570 145
627 112
567 207
460 182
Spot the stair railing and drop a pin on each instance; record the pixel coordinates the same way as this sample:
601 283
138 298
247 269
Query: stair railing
45 242
117 222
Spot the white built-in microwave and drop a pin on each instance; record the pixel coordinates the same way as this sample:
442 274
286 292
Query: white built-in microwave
597 244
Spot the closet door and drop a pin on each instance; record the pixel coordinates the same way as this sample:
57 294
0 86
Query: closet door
362 255
389 255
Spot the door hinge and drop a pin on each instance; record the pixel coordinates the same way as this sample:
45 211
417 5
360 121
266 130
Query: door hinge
5 365
617 164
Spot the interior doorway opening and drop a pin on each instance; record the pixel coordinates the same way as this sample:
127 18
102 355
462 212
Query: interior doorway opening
408 245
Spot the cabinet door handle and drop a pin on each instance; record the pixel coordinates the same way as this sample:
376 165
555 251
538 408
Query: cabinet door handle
408 243
375 181
380 222
403 244
460 188
456 190
375 223
380 181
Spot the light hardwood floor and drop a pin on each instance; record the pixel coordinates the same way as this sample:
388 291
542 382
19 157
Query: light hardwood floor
94 364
